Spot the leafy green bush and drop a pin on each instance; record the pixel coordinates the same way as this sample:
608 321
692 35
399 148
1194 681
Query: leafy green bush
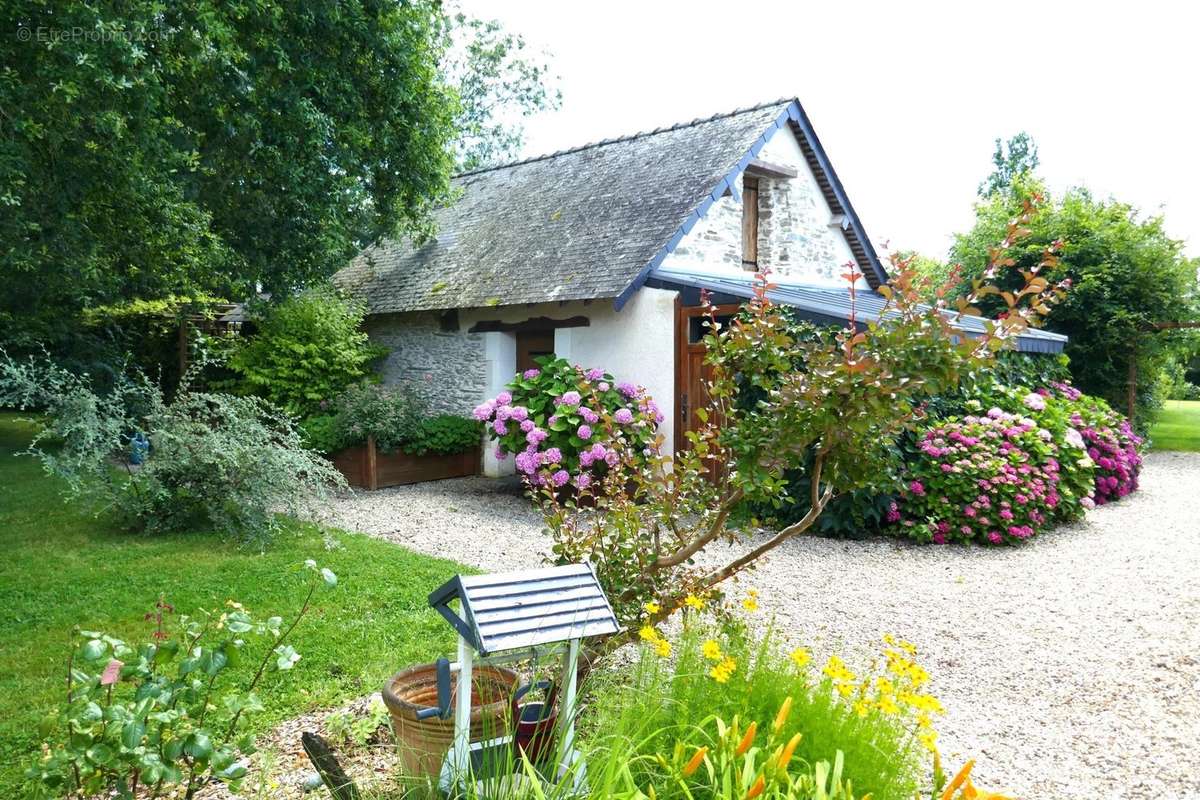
308 348
230 463
388 413
156 715
320 433
444 434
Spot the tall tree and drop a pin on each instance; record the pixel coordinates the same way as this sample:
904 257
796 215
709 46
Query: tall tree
500 81
1011 161
1127 276
149 148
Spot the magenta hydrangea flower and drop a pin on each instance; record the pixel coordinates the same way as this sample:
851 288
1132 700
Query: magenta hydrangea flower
500 453
527 462
519 413
503 413
570 398
916 487
553 455
561 477
583 480
584 432
527 425
599 451
504 398
603 386
500 427
589 416
595 374
611 458
586 459
530 374
483 411
628 389
623 416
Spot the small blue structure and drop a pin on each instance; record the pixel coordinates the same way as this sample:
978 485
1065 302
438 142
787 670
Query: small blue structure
511 616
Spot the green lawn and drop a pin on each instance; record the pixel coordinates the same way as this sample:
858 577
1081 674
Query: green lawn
1178 426
60 566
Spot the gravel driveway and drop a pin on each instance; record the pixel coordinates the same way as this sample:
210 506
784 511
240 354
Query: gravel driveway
1069 666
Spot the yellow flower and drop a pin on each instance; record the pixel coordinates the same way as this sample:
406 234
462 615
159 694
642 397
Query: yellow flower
663 648
928 739
693 602
861 707
723 671
785 708
652 607
750 604
907 647
648 634
923 721
801 656
711 650
888 706
884 686
889 639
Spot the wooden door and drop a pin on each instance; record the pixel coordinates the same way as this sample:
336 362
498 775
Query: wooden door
692 375
531 345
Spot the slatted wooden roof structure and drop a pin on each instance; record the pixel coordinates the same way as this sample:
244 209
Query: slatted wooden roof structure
526 608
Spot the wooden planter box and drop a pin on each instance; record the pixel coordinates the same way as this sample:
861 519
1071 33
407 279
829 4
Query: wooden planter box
367 468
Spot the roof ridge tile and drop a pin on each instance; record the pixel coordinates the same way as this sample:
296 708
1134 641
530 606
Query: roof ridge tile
629 137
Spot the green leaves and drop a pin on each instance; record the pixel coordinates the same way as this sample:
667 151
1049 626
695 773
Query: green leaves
286 657
162 722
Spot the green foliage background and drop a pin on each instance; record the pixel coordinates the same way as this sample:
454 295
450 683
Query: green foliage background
1127 274
306 351
150 148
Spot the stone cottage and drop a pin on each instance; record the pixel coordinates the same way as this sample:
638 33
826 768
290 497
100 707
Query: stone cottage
598 254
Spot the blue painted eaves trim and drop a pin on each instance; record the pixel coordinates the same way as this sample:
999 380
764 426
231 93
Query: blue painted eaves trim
727 183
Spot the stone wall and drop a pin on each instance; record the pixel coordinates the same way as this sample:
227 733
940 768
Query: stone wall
449 368
795 236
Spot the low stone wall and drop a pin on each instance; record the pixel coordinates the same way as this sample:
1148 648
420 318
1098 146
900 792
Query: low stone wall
448 367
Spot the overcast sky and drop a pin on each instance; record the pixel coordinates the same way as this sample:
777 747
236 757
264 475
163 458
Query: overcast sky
906 97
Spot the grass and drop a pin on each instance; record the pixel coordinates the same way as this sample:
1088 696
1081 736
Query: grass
62 566
1178 426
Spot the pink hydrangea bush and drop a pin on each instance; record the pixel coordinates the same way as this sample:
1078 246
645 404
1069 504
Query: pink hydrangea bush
1110 441
566 425
991 479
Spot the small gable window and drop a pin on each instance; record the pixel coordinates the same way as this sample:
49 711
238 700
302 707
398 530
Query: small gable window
750 223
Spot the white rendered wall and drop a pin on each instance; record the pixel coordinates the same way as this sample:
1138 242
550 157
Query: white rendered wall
500 353
635 344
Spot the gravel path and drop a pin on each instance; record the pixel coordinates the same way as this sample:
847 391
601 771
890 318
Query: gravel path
1069 667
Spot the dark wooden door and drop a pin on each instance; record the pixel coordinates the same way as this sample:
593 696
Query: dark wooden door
531 345
692 375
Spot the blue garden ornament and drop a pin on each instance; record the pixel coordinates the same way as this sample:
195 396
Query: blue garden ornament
139 448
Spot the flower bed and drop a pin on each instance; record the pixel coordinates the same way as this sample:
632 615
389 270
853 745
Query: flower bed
1035 458
991 478
567 425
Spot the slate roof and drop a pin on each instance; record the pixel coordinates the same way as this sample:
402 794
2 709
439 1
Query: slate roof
581 224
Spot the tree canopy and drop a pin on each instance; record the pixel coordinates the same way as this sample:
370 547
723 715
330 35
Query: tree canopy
1011 161
197 147
1127 274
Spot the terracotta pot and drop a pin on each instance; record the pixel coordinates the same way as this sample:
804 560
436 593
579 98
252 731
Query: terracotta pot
423 743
